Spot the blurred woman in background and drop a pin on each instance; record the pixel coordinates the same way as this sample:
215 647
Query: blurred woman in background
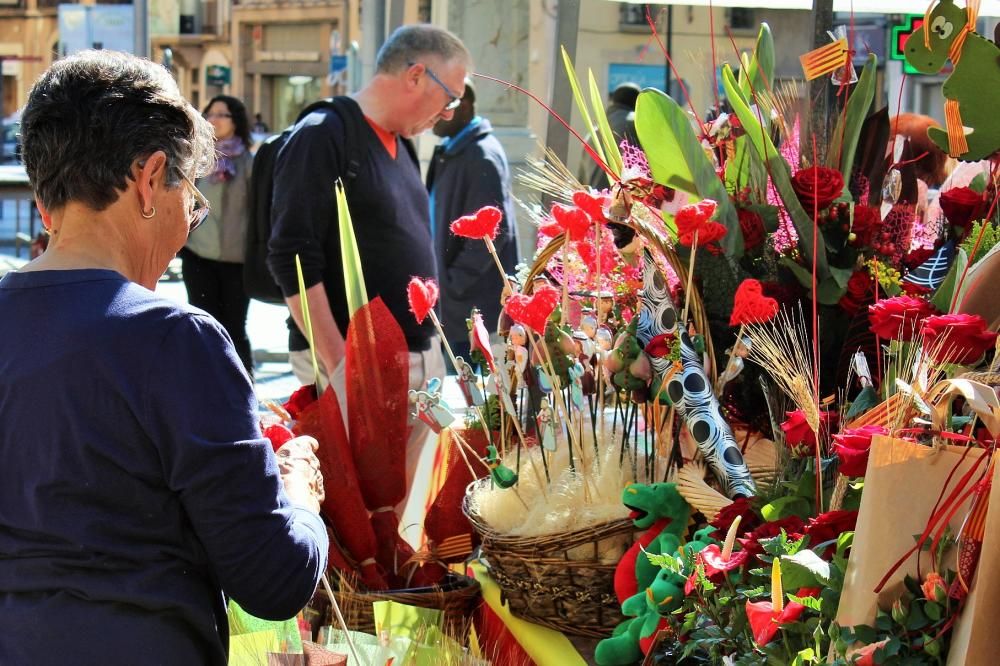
212 259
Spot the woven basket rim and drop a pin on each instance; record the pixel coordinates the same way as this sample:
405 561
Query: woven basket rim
556 541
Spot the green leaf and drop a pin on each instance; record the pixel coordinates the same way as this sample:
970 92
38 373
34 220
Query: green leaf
784 507
614 155
865 634
350 256
574 84
677 159
932 610
779 170
762 66
807 656
944 295
917 619
853 119
809 602
978 184
804 569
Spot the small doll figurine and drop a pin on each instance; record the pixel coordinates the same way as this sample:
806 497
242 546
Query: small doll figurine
432 410
498 384
470 387
503 476
518 342
546 426
576 384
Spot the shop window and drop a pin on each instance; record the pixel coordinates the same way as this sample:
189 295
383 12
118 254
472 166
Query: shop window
742 18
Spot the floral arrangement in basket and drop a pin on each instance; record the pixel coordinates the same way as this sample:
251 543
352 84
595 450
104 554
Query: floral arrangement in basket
673 328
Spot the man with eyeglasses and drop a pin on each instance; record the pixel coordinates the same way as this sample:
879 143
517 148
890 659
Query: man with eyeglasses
420 71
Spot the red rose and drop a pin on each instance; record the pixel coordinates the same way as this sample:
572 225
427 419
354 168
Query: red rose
817 187
962 206
858 289
749 520
792 525
899 318
867 221
957 338
799 437
752 226
852 447
830 525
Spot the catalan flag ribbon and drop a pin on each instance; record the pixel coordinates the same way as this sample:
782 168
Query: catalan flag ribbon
825 60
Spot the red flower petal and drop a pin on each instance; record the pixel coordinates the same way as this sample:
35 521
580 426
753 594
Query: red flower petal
764 622
423 296
591 204
712 556
483 224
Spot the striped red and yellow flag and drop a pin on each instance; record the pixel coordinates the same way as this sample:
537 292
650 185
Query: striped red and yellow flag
825 60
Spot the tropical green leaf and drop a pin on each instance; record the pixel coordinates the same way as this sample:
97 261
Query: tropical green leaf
759 67
780 173
853 120
784 507
306 318
677 159
945 293
574 84
804 569
614 155
350 256
746 170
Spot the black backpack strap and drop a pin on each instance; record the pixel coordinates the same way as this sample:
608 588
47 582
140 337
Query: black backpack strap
350 165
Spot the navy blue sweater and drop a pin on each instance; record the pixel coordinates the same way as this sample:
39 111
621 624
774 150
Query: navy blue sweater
389 209
135 487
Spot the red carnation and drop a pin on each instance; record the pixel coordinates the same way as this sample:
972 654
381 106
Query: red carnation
899 318
817 187
957 338
852 446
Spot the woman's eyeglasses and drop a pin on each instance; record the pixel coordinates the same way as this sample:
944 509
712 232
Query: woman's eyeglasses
200 207
454 100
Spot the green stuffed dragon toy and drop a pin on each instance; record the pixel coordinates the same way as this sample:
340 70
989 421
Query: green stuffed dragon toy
972 92
646 592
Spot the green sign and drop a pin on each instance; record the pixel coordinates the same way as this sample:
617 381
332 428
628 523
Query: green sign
900 33
218 75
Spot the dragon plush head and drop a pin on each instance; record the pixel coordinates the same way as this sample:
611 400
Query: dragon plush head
930 45
651 502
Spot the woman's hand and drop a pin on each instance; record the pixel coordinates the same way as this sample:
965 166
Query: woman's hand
299 468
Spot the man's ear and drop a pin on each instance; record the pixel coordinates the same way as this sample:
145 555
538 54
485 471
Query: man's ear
151 173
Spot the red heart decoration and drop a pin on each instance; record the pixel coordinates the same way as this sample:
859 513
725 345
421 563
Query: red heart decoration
484 223
751 306
533 311
573 221
695 219
423 296
591 204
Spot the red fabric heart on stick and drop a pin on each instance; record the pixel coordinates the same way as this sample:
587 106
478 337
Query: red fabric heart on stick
696 219
592 204
751 306
572 220
533 311
423 296
483 224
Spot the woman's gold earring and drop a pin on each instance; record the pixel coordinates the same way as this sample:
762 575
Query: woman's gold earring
152 213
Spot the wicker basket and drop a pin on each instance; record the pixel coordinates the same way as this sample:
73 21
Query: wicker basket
457 596
556 580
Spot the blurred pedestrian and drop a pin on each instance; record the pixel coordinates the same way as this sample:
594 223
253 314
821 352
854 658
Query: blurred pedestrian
468 171
621 119
212 259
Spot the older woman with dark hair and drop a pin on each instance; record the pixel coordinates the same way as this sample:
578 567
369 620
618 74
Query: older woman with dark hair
136 492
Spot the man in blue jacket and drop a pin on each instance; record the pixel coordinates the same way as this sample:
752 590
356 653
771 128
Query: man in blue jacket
468 171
